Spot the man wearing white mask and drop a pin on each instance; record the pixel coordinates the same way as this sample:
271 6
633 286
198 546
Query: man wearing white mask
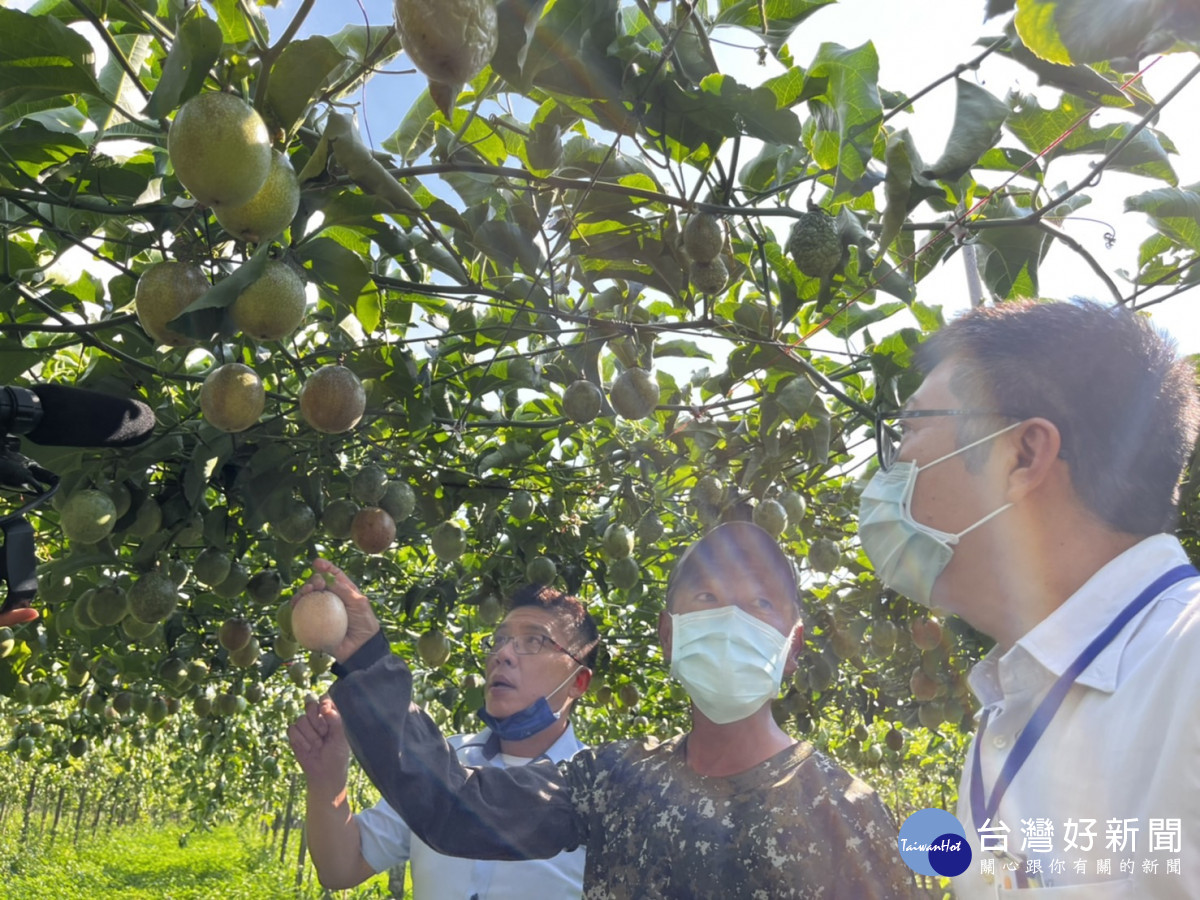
1028 490
734 808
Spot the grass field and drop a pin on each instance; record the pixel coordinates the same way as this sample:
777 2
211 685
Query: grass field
145 862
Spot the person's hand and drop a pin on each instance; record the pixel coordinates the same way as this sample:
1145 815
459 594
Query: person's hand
17 617
319 743
361 624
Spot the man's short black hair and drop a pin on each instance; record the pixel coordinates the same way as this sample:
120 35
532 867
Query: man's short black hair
585 636
1120 396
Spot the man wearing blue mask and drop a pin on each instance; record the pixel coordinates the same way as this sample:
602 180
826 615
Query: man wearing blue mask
734 808
1028 489
539 661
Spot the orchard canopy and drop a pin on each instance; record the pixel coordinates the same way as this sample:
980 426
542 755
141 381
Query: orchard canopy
599 296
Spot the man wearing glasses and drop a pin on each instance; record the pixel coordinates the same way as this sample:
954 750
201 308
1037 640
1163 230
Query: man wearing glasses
540 660
735 808
1028 487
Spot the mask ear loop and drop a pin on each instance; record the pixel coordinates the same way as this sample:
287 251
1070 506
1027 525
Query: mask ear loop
567 681
947 537
984 439
986 518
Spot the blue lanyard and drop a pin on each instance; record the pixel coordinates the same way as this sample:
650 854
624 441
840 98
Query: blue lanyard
1041 717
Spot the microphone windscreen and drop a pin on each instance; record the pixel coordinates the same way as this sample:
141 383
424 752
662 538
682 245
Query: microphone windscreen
74 417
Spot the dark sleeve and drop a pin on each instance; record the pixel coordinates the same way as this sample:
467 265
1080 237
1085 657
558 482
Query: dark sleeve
525 812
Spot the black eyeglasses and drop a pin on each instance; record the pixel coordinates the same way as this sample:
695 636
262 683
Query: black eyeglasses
523 644
888 437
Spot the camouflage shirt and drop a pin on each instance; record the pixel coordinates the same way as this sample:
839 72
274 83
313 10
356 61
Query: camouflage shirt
794 826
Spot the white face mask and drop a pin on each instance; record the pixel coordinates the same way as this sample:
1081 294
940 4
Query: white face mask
908 556
729 662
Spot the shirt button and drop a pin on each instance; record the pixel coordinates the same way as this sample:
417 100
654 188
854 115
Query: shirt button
999 742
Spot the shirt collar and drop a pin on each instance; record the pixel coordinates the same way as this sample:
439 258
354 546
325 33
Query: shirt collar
565 747
1055 642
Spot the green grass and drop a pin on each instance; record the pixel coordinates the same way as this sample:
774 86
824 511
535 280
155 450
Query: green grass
144 862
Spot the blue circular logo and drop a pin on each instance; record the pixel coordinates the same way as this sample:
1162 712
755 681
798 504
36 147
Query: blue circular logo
933 842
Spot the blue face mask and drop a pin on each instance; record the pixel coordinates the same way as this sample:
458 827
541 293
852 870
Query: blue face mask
525 723
908 557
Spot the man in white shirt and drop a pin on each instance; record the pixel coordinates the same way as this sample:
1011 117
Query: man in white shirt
540 661
1027 489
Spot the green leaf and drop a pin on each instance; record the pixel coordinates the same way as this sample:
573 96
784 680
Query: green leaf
564 33
303 68
893 281
476 133
850 99
506 245
774 164
1038 29
17 112
757 108
978 118
214 449
1144 154
367 310
516 23
17 263
317 163
896 186
783 17
358 42
1067 130
1082 81
415 134
197 46
439 258
685 349
1009 257
15 359
32 148
692 52
42 58
1010 159
119 89
788 88
206 315
335 268
236 19
1174 212
1086 31
856 317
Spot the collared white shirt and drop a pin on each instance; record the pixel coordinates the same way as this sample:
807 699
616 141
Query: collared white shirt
387 841
1121 753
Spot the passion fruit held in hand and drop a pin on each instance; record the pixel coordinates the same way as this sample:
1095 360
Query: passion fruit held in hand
319 621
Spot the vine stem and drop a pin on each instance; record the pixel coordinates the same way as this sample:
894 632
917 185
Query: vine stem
114 50
1141 289
81 328
1095 266
87 336
969 65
